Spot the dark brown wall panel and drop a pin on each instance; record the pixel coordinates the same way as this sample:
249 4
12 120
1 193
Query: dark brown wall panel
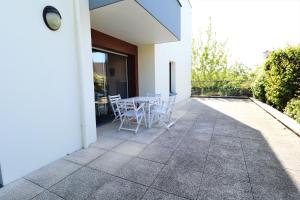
107 42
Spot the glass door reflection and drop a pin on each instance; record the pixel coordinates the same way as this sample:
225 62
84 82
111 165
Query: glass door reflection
110 78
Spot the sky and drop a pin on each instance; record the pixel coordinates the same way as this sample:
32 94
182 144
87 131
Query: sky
249 26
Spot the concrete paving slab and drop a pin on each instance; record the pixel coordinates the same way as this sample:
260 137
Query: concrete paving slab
52 173
110 162
130 148
266 191
262 157
107 143
183 183
156 153
228 152
113 132
199 137
224 188
84 156
140 171
269 175
226 168
119 189
153 194
81 184
168 140
46 195
186 160
228 141
191 145
20 190
148 135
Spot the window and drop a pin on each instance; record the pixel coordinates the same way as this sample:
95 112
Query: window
172 77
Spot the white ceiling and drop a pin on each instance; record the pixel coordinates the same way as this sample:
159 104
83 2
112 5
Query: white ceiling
130 22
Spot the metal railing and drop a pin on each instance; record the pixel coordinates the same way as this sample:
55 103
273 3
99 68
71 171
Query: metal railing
221 88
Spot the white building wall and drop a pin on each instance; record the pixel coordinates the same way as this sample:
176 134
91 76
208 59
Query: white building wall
146 69
41 95
179 53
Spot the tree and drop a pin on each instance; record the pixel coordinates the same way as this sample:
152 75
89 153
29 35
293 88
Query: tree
211 73
209 58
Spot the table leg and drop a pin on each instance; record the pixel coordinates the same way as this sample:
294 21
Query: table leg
149 116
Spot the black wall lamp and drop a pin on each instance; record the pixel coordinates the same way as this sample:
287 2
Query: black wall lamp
52 18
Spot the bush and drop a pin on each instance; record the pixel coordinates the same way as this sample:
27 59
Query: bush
258 88
293 109
282 76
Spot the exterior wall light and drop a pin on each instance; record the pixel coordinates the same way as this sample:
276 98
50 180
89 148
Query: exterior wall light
52 18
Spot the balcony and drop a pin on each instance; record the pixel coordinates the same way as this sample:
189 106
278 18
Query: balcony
137 21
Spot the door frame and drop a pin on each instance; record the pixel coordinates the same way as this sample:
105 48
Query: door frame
115 45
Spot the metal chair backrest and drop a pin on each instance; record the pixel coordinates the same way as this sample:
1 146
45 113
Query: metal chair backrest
130 105
157 99
113 99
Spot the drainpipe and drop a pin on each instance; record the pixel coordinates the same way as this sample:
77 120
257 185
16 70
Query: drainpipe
80 7
1 181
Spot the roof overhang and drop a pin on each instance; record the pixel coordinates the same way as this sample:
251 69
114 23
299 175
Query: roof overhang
136 21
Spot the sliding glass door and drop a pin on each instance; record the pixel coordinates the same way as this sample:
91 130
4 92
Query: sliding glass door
110 78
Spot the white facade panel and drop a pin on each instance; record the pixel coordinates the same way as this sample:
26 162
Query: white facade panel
40 115
179 53
146 70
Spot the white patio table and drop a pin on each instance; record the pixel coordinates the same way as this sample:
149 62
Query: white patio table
148 101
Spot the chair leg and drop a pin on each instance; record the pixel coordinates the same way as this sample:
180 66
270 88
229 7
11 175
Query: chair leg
154 118
138 124
115 119
161 120
165 125
122 122
147 124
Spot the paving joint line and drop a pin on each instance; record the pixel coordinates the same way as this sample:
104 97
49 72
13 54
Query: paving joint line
251 187
205 162
44 189
165 165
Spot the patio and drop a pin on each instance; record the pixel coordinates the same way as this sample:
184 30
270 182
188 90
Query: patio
218 149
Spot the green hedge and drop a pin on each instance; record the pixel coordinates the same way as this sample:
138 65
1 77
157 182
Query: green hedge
293 109
278 82
282 76
258 88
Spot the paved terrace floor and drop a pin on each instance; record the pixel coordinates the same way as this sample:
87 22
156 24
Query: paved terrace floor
218 149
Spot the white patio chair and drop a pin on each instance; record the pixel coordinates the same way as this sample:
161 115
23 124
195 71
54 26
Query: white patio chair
130 113
154 104
113 102
163 113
